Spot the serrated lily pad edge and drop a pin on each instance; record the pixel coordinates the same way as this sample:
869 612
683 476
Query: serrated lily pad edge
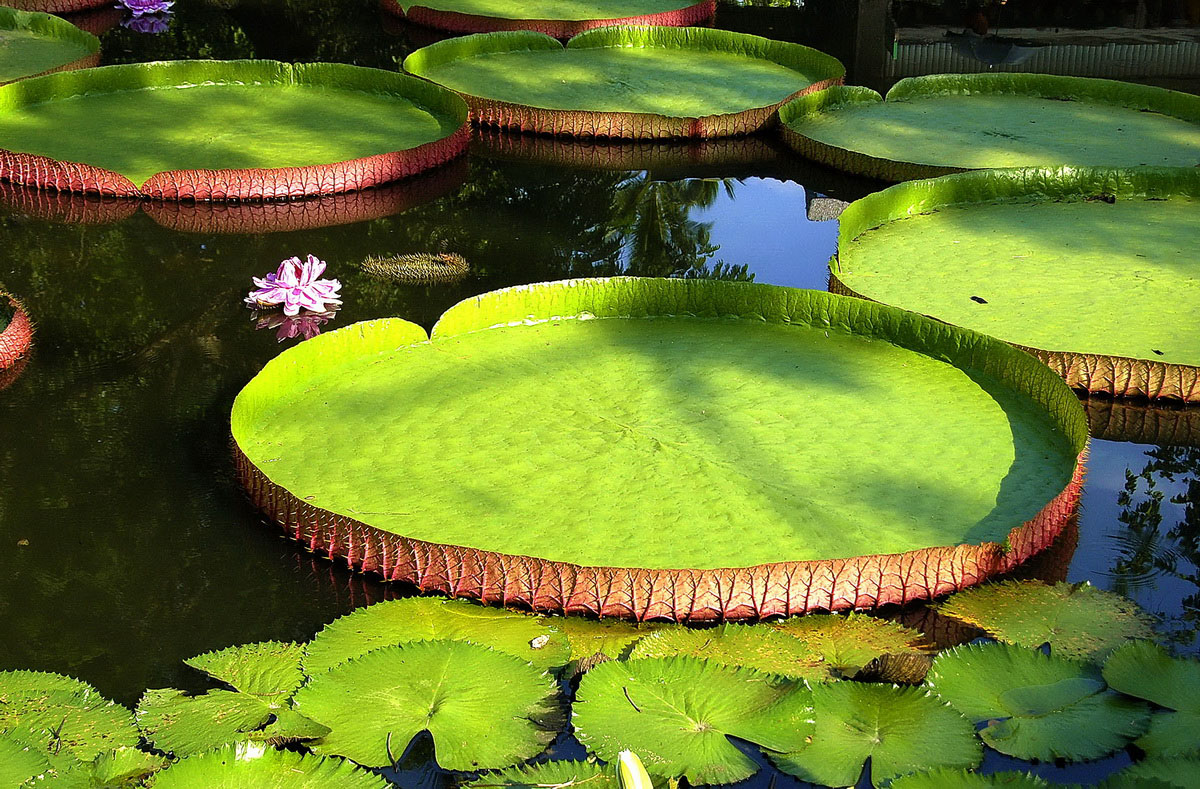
279 183
460 22
781 588
1116 376
47 26
1100 91
628 125
15 341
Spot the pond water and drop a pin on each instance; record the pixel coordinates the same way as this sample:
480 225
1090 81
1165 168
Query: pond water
127 545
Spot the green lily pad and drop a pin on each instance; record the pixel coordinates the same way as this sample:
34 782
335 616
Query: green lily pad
20 762
677 714
253 766
944 123
141 119
1145 670
435 618
752 646
58 715
1037 706
183 725
1153 773
32 43
1076 620
572 10
964 779
850 642
484 709
610 638
125 767
626 82
800 413
901 730
269 670
1030 256
560 775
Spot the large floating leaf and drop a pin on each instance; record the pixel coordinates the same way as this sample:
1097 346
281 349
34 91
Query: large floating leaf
901 730
269 670
251 766
677 714
1147 671
962 779
485 709
1076 620
752 646
560 775
34 43
848 643
430 618
1037 706
62 716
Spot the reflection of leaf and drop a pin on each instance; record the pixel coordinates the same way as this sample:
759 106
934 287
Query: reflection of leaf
1037 706
752 646
677 714
269 670
901 730
1077 620
559 775
849 642
485 709
1147 671
963 779
429 618
250 766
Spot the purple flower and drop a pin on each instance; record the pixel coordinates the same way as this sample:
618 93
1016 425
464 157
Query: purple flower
305 326
147 24
141 7
295 286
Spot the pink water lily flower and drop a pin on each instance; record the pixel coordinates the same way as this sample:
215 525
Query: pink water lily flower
140 7
296 286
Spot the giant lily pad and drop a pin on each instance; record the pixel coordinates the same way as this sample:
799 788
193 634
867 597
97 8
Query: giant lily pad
626 82
1036 706
1030 256
1147 671
947 123
484 709
677 714
32 43
1143 423
225 129
557 18
250 766
777 448
56 6
901 730
1076 620
433 618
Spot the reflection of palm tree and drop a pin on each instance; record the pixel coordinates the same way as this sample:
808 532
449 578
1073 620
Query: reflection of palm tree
650 224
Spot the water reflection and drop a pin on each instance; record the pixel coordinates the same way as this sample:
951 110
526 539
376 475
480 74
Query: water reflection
304 326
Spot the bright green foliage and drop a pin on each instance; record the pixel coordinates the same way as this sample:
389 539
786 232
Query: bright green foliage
124 766
1157 774
564 775
254 766
1145 670
1048 251
850 642
61 716
183 725
1037 706
752 646
134 119
901 730
269 670
1076 620
20 762
677 713
33 43
946 778
430 618
485 709
611 638
820 452
576 10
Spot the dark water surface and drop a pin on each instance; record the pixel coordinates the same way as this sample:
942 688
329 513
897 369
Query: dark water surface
126 544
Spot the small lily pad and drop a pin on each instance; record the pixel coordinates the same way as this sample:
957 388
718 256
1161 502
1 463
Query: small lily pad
430 618
678 713
123 766
1147 671
1076 620
20 762
269 670
183 725
1155 773
752 646
901 730
485 709
254 766
850 642
62 716
609 637
559 775
1036 706
964 779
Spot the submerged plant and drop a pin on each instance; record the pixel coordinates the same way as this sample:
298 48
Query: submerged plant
296 286
419 268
